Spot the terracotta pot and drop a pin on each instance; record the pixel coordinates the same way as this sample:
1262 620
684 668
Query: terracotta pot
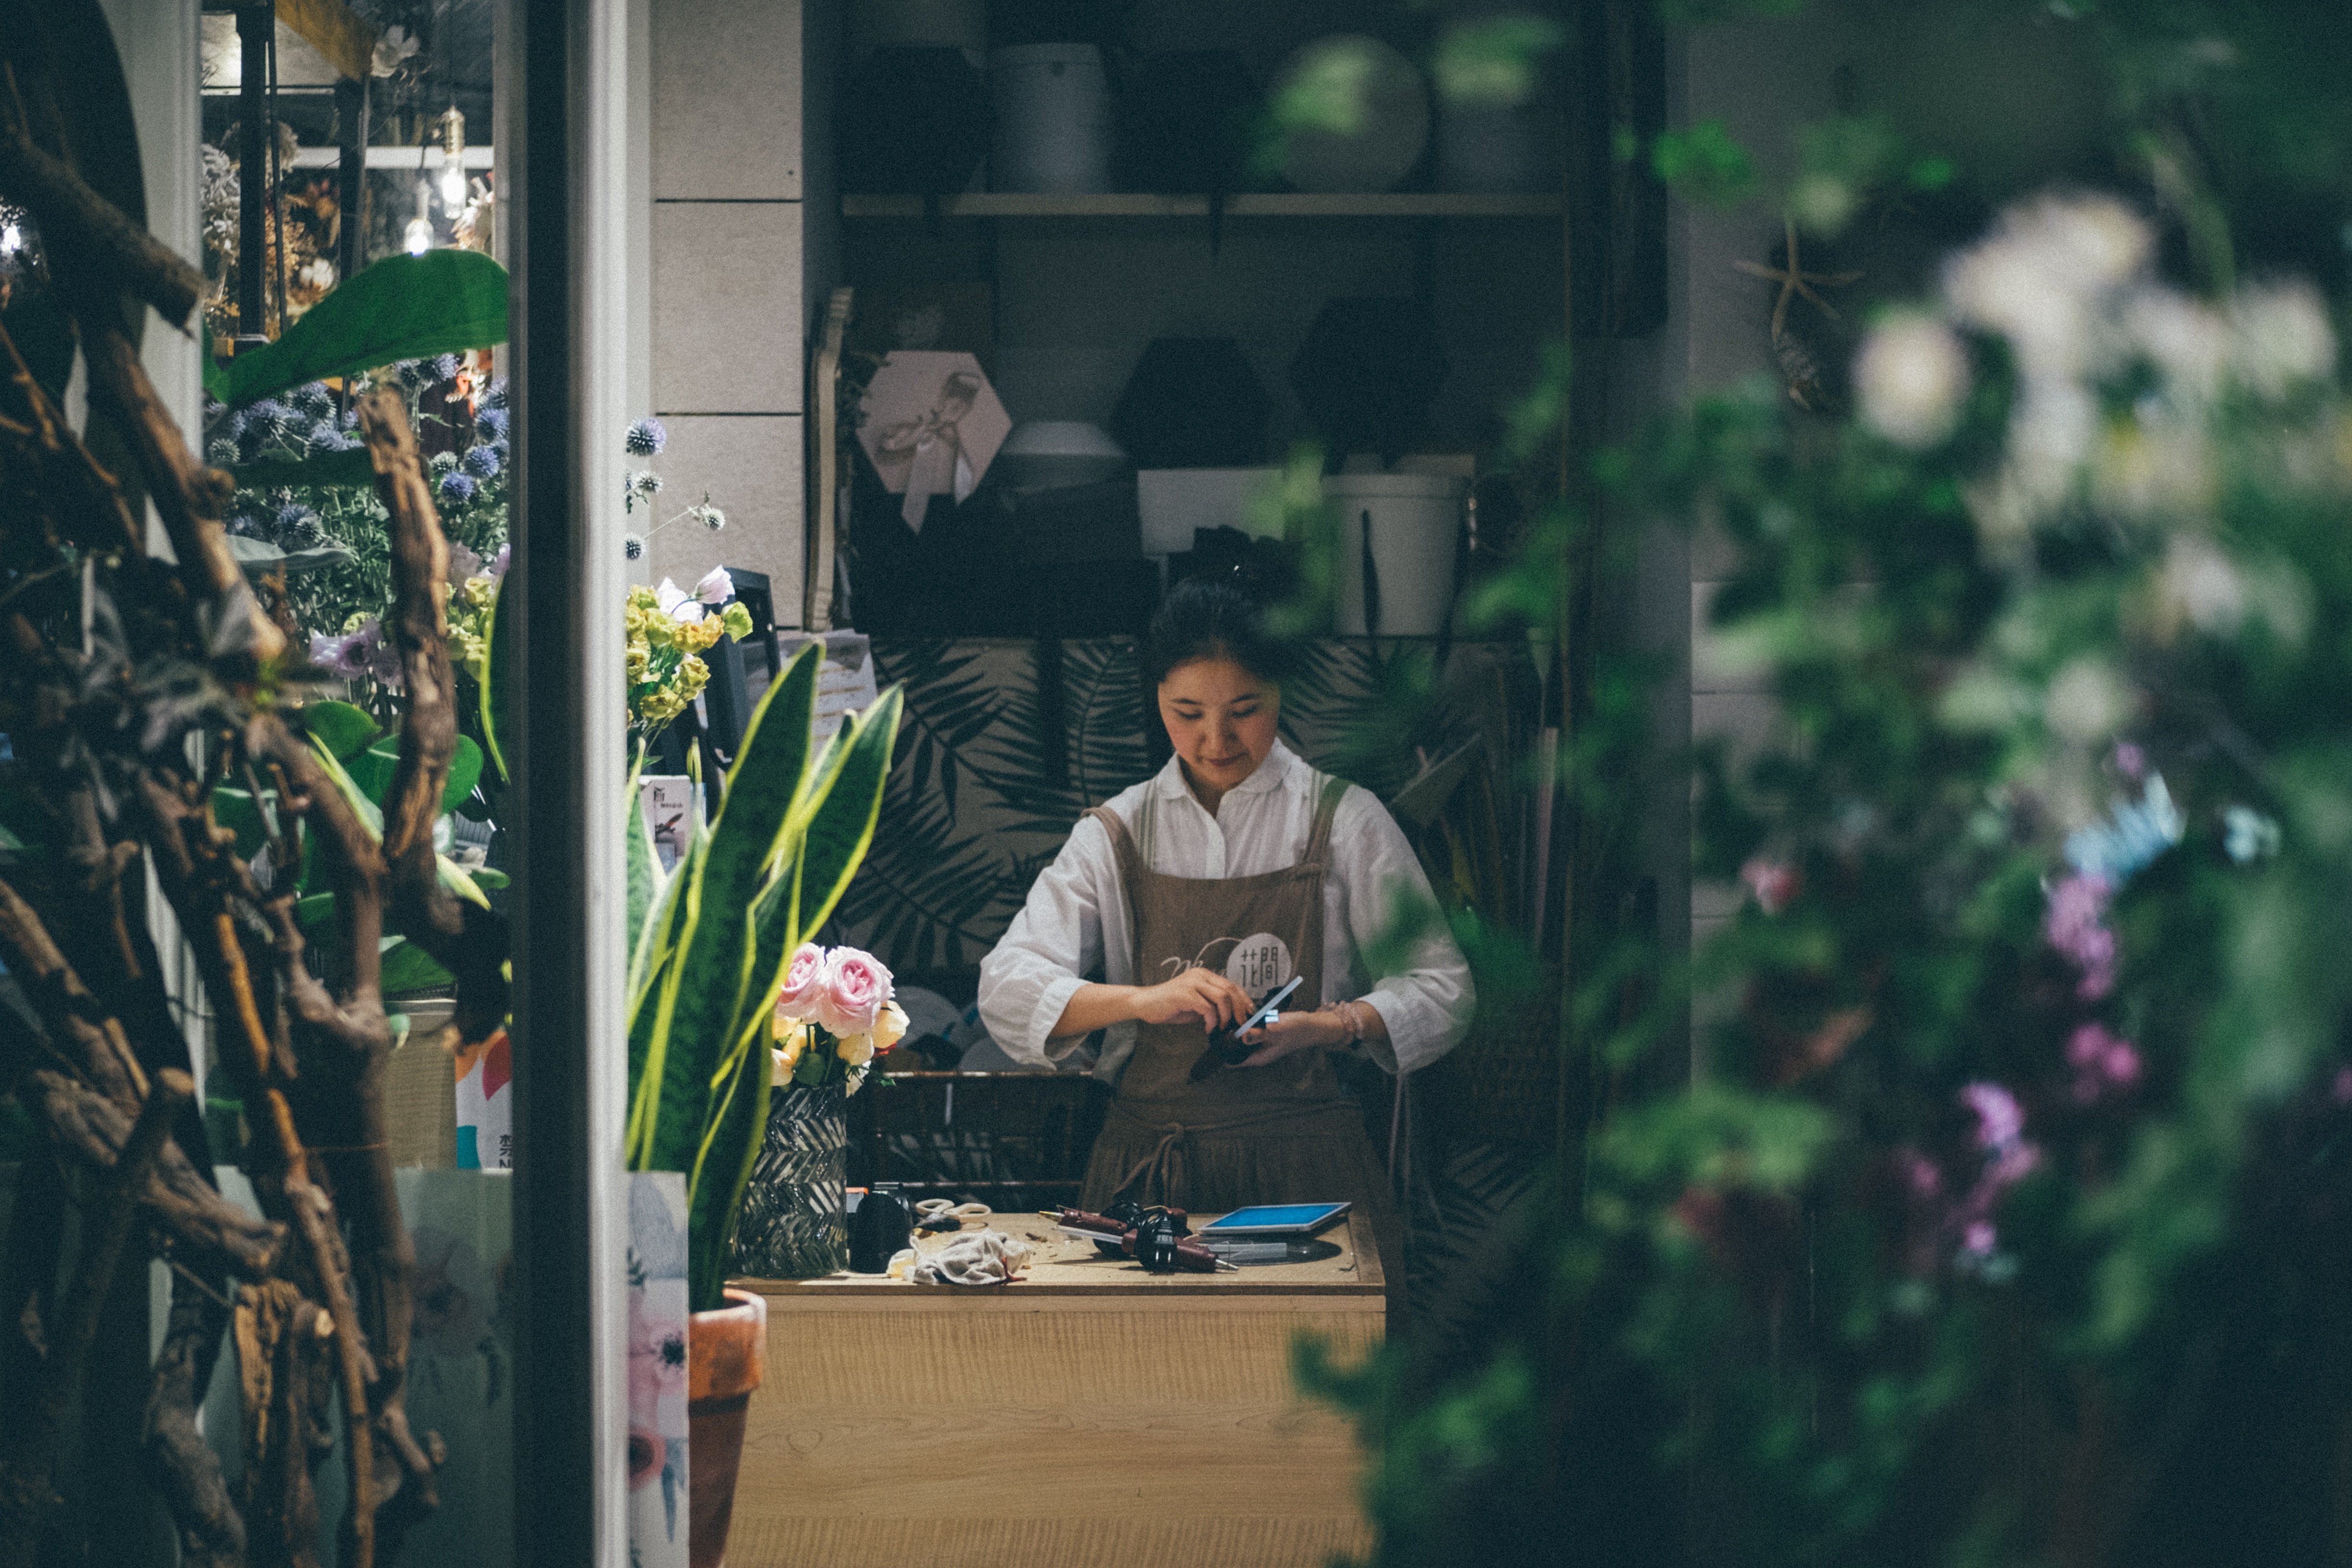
727 1353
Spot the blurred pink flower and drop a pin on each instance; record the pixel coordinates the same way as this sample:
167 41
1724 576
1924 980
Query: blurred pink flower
2102 1061
1774 882
2075 927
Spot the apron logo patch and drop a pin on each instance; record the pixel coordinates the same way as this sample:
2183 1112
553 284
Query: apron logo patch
1258 963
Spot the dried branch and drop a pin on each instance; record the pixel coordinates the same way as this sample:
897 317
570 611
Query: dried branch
181 1465
78 222
189 496
45 440
29 1458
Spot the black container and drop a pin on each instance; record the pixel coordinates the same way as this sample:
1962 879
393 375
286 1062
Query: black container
1185 120
878 1228
913 120
1193 403
1367 375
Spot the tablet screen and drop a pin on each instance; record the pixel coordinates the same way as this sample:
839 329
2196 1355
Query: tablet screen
1275 1217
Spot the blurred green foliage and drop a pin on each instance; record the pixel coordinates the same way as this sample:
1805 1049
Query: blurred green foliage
1983 1193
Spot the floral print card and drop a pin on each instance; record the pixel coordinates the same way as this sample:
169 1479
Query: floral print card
657 1340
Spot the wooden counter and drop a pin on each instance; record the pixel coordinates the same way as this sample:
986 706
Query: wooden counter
1089 1415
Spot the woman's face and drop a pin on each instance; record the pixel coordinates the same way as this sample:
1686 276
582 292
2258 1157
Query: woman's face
1221 719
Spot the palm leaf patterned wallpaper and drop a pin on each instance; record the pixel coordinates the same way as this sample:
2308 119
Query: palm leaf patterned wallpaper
1006 743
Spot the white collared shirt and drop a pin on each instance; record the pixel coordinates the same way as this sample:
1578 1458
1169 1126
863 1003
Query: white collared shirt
1076 914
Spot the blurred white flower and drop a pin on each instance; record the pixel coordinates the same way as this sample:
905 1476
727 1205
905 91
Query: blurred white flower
2035 278
2198 584
716 588
2188 342
2085 702
2281 338
2149 468
1912 374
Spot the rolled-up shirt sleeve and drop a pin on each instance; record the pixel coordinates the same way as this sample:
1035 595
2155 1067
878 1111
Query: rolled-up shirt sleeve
1428 1003
1046 951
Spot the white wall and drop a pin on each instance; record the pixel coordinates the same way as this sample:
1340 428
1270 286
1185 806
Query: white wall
727 305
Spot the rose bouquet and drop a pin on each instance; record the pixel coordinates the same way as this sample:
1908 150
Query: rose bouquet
833 1017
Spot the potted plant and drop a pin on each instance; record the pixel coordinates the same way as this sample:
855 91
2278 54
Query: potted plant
833 1018
709 950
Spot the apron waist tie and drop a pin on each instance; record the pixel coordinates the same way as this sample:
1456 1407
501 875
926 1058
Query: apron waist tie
1157 1167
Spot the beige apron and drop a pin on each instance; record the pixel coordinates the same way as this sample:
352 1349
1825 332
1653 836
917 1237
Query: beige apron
1285 1133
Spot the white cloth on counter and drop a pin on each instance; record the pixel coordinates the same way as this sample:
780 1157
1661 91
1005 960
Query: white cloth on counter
981 1258
1076 915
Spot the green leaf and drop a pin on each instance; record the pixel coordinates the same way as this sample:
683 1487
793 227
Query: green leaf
644 883
703 996
373 770
370 814
841 826
407 967
235 809
1705 164
497 658
722 1170
402 308
490 879
465 773
347 467
344 730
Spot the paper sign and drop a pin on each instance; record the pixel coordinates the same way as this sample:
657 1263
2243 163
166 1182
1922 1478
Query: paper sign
668 801
845 684
485 1106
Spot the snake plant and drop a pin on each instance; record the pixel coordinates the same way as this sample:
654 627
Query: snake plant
709 943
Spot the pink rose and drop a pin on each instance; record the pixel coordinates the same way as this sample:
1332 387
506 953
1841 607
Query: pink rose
856 987
803 977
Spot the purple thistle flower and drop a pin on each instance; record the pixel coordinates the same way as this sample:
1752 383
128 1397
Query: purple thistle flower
457 489
482 462
491 424
646 439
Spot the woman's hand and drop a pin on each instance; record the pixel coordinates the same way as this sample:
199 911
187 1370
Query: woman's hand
1291 1033
1199 993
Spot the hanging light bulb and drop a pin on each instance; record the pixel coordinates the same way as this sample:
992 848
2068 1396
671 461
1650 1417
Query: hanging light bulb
452 158
12 239
417 239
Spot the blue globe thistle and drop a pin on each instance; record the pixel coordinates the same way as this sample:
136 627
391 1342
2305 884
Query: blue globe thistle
214 408
441 465
313 401
272 418
221 452
505 455
482 462
646 439
457 489
290 517
415 374
349 419
325 437
445 368
245 524
494 395
633 545
491 424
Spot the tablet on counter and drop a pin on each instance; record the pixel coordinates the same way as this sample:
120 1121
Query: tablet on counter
1275 1220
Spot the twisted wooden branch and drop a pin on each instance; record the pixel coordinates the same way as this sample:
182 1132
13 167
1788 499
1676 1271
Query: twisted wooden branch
79 224
28 1461
183 1466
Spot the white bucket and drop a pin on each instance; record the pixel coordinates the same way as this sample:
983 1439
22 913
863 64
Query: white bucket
1053 120
1412 521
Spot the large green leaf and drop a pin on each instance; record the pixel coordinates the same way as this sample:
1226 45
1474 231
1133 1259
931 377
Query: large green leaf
644 888
372 769
402 308
701 998
342 728
353 467
408 967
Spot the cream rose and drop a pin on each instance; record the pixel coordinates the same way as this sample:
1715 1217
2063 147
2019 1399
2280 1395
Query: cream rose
855 1049
890 1028
853 993
802 979
791 1040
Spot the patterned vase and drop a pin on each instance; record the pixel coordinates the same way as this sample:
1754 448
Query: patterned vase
793 1226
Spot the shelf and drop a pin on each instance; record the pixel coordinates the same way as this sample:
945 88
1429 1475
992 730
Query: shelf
1251 204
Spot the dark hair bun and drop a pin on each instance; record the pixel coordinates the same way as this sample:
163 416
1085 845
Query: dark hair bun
1214 616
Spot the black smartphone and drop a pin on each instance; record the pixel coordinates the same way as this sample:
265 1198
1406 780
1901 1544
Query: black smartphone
1225 1047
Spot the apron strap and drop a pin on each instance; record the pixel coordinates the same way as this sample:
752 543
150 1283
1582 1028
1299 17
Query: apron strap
1130 873
1326 809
